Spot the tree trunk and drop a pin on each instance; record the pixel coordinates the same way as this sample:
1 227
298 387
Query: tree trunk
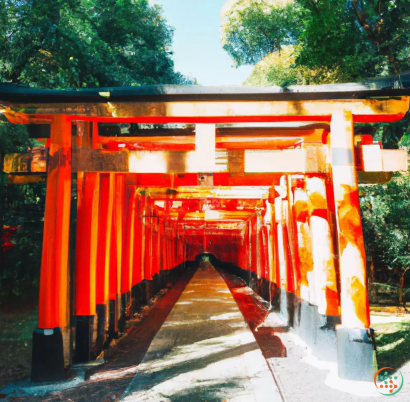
401 288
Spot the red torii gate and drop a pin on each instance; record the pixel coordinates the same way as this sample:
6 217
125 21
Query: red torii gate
234 177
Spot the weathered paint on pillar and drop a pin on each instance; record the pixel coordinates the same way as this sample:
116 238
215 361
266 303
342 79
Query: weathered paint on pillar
322 248
270 225
249 240
254 244
292 236
53 309
304 246
88 185
104 237
281 249
354 299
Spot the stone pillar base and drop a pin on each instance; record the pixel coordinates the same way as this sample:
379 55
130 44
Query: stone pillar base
48 356
285 307
356 355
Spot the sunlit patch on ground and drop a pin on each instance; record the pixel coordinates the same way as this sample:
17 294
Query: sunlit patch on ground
213 356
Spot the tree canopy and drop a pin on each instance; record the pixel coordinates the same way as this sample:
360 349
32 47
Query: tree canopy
80 43
340 40
254 29
386 225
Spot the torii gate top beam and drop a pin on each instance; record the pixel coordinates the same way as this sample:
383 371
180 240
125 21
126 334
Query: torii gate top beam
196 104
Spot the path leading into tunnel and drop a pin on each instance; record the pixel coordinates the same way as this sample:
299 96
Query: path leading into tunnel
204 351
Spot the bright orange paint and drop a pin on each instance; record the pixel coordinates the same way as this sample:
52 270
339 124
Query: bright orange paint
104 237
53 311
88 185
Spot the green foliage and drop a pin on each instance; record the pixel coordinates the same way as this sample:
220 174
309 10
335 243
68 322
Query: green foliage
386 227
24 215
257 28
278 69
13 138
367 38
344 40
80 43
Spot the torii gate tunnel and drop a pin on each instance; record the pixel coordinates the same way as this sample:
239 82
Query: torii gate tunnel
142 180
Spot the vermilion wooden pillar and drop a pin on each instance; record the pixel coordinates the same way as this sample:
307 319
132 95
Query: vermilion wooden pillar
126 279
88 185
119 225
285 275
301 213
148 240
54 265
48 352
104 237
104 254
356 358
142 231
113 275
254 249
137 245
293 238
322 248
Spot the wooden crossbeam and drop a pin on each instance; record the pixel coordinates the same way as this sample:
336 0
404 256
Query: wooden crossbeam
363 110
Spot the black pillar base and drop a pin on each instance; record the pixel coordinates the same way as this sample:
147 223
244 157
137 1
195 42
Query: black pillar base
111 318
356 355
139 296
84 338
102 325
47 356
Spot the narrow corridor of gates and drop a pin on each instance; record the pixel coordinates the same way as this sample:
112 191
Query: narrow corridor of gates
143 181
204 351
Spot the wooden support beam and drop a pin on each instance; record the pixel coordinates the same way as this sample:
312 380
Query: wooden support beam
27 162
237 164
53 310
98 160
205 158
352 259
364 110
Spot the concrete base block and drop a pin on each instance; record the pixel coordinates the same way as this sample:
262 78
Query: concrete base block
285 308
306 322
326 342
356 355
48 356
